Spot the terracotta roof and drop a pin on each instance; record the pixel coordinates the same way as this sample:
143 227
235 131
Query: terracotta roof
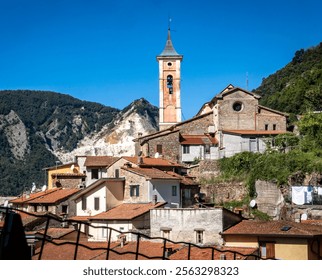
150 173
57 232
97 251
255 132
186 180
230 253
312 222
25 198
80 175
147 161
274 228
100 161
56 196
198 140
174 128
127 211
79 218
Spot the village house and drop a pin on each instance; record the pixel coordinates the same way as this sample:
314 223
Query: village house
67 175
127 217
281 239
56 201
196 225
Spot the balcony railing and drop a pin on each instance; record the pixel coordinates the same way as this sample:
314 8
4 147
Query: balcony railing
16 244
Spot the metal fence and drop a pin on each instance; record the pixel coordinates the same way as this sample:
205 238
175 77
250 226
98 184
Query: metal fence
14 243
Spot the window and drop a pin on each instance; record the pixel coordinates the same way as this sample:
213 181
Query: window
64 209
207 149
199 236
266 126
174 190
267 250
134 190
84 204
186 149
94 173
170 84
117 173
165 232
274 126
159 149
96 203
104 232
187 193
237 106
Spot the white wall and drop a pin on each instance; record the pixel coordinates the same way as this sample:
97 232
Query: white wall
163 190
101 234
183 223
90 210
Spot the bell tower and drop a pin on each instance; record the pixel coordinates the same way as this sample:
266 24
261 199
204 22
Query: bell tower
169 85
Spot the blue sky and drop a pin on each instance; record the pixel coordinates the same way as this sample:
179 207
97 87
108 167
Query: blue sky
105 51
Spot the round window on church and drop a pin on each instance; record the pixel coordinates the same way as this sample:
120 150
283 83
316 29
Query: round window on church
169 64
238 106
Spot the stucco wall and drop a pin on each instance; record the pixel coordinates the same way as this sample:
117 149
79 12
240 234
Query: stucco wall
184 222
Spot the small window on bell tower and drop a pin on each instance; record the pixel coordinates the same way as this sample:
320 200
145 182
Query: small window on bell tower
170 83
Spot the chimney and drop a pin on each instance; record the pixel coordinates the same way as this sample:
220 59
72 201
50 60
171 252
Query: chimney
154 199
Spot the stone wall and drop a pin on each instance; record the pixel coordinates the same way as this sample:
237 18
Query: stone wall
269 199
219 193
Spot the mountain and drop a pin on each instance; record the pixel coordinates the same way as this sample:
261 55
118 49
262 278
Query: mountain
297 87
38 128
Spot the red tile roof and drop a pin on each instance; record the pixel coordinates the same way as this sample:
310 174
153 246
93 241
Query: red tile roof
57 232
127 211
198 140
77 175
147 161
48 196
25 198
153 250
150 173
255 132
230 253
100 161
186 180
55 197
274 228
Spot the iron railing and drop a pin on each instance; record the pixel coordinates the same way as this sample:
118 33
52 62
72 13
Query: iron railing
108 247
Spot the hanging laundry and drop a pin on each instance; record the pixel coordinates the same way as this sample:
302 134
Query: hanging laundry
298 195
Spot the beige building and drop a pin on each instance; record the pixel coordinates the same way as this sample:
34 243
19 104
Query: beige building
284 240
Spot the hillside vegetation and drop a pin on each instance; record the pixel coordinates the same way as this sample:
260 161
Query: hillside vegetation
295 89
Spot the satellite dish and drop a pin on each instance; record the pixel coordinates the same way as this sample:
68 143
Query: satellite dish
72 167
6 203
252 203
303 217
44 187
156 155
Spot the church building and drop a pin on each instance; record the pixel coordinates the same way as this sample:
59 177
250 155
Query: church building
233 121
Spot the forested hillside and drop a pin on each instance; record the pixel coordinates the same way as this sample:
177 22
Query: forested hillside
35 123
296 88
